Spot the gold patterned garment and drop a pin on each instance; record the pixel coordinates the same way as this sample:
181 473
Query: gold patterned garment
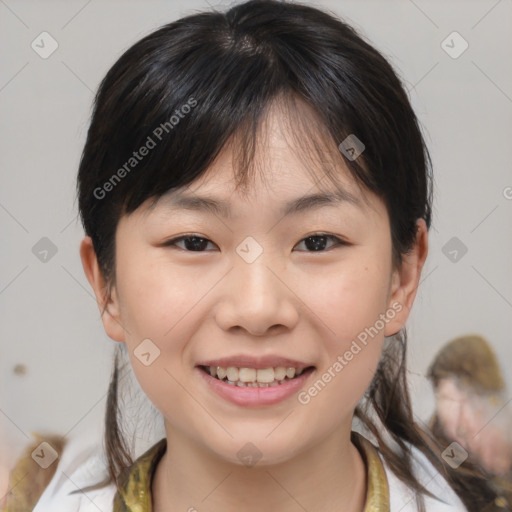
135 493
27 480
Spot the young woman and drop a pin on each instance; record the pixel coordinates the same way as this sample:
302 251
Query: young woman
255 192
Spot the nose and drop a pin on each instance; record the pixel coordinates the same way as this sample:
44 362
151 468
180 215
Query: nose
256 297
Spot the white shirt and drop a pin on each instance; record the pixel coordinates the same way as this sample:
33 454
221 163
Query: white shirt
80 467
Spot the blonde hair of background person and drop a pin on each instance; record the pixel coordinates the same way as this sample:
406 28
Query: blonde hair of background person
287 114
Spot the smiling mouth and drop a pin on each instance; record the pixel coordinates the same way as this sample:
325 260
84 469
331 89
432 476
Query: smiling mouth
255 378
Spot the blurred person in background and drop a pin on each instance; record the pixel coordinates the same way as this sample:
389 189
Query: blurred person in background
473 410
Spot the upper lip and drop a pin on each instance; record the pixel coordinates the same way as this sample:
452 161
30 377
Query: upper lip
246 361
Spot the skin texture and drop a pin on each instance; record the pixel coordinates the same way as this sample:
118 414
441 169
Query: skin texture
291 301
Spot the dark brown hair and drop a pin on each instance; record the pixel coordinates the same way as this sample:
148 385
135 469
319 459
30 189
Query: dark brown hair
232 67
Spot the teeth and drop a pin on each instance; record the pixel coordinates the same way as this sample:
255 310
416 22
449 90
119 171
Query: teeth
232 374
265 375
252 377
280 373
252 384
290 372
247 374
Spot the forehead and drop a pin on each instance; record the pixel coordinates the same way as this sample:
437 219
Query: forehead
290 165
290 191
449 388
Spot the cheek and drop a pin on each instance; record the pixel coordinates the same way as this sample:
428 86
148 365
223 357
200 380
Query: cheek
448 412
349 300
350 311
157 304
155 297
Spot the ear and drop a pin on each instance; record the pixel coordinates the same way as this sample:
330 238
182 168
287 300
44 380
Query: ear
111 317
405 280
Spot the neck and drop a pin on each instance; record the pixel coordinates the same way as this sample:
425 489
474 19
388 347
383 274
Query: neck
327 477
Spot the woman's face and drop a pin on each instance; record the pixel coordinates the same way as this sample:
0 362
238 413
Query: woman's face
252 292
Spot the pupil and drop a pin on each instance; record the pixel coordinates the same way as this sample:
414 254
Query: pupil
315 244
196 246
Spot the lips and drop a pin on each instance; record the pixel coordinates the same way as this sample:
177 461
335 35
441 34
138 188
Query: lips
253 381
255 394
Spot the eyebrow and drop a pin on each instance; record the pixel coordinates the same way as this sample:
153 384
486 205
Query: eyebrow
292 207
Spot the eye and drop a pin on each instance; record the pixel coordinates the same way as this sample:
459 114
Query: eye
317 242
193 243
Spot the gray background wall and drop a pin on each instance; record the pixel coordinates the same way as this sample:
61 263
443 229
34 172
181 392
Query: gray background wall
55 357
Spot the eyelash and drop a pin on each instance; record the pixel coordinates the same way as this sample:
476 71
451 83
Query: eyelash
339 242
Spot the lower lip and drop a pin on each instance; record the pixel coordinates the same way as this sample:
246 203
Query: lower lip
248 397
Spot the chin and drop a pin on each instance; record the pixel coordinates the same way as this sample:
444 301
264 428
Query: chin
258 452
